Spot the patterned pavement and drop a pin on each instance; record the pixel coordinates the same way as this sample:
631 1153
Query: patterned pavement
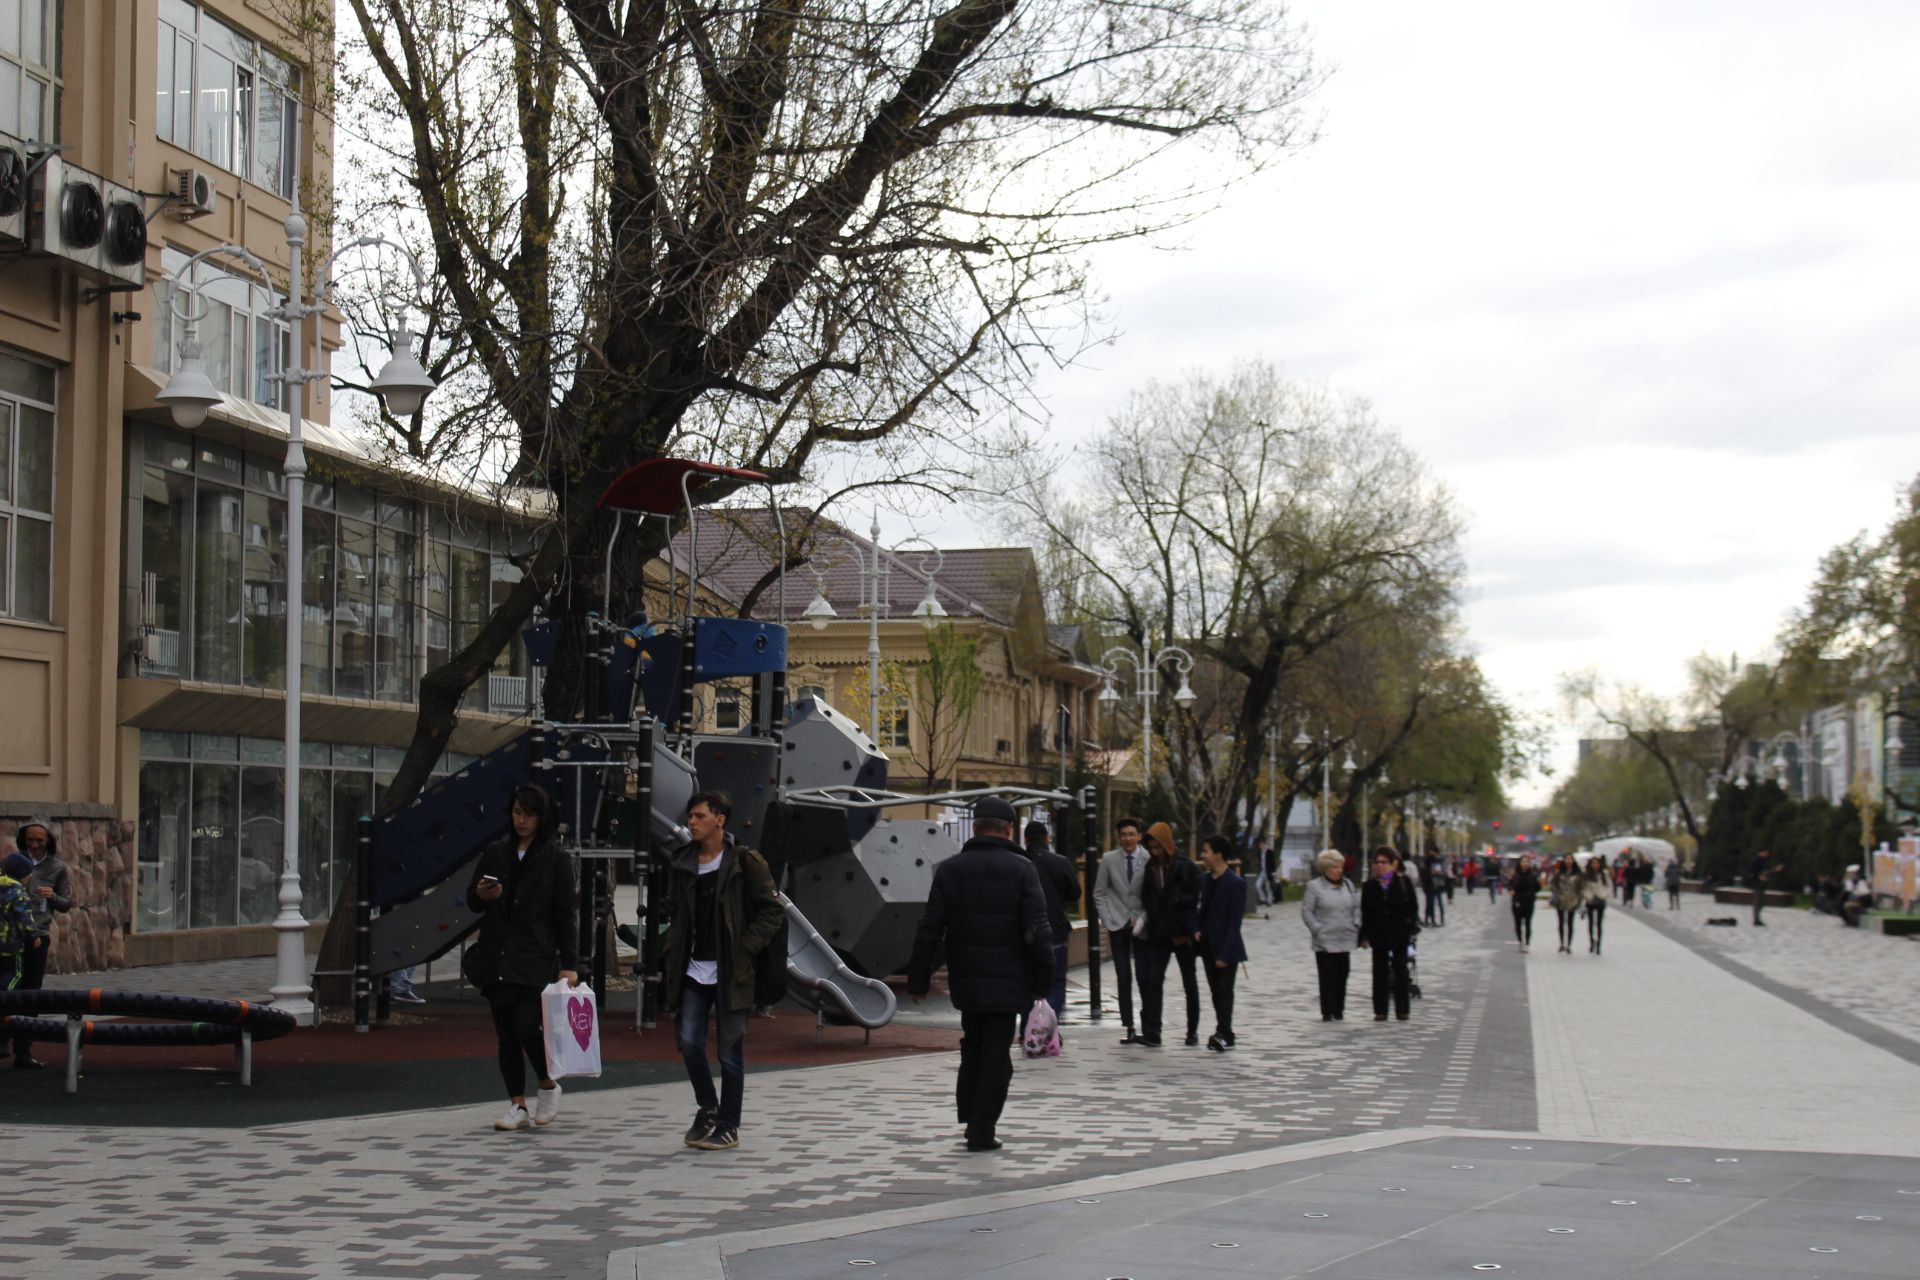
437 1193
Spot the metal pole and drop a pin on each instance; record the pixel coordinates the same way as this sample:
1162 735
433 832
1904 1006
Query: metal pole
647 1001
1326 798
291 991
1146 703
363 923
1092 912
873 637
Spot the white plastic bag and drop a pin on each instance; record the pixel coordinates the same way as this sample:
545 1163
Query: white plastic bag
1042 1039
570 1025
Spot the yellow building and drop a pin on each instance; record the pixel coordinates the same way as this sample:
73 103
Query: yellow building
1036 684
143 606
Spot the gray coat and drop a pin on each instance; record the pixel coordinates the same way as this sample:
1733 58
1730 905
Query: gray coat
1115 896
1332 913
53 873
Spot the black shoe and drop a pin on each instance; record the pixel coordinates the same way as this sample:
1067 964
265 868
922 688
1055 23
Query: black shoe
1379 1017
1230 1038
702 1127
1401 1017
28 1064
1326 1017
1216 1044
1148 1042
1128 1038
1339 1017
1193 1038
719 1140
984 1144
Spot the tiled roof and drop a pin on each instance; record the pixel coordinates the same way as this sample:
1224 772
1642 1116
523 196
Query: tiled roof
737 546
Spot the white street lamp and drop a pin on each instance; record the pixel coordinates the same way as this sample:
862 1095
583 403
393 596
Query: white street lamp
1146 668
874 579
189 394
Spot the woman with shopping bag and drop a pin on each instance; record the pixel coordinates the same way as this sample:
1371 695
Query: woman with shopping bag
523 887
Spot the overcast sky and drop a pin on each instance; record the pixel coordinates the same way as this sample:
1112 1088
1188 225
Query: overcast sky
1639 279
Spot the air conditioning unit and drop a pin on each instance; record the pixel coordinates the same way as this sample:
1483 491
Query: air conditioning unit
69 216
123 249
197 191
14 159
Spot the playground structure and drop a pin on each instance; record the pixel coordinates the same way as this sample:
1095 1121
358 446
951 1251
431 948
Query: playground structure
193 1021
807 785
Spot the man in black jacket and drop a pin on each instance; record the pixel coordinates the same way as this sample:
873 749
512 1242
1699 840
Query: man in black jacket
1062 889
1169 894
988 909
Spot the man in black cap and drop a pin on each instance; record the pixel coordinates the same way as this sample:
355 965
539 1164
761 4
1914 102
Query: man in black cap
987 908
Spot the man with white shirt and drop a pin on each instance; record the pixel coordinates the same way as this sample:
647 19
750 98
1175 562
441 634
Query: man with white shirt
1116 895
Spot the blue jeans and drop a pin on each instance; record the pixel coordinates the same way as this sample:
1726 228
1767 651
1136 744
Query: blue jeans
697 1003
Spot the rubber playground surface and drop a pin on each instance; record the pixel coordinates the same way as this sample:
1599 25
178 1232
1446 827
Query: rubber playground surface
440 1054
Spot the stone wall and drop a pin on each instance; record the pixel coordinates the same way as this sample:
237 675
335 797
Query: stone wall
98 848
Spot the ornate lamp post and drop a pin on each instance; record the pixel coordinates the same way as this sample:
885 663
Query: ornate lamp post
1326 744
189 394
1146 669
873 599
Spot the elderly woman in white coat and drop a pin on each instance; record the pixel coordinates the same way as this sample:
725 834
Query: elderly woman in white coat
1332 912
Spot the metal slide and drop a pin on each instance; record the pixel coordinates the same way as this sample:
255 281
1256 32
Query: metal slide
823 982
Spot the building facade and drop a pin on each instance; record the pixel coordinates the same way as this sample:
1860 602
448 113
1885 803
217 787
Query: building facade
144 602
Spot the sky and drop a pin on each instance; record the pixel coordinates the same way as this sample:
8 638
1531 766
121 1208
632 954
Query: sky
1641 281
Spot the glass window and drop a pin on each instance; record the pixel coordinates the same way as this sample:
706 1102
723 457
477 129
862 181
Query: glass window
161 896
213 868
316 606
213 139
168 448
262 844
26 489
264 590
157 744
33 569
166 519
317 885
393 617
236 331
217 564
353 611
29 59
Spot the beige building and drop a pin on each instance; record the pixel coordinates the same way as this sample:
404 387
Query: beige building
143 605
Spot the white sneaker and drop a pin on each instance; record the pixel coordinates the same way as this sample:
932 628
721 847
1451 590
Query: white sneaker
546 1104
514 1117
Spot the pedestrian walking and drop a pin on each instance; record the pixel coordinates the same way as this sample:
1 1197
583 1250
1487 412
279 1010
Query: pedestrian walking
1223 905
1263 881
1492 877
1673 884
1759 871
722 911
1331 910
1566 889
1522 893
1433 884
1389 922
1116 899
988 911
1169 894
1623 877
49 887
1598 883
523 887
1061 888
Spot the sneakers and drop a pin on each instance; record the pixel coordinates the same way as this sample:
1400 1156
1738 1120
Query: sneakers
1216 1044
407 997
1193 1038
514 1117
546 1104
718 1139
701 1128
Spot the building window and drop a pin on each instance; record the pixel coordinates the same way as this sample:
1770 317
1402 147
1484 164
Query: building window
818 692
30 69
211 824
242 346
894 727
227 98
26 485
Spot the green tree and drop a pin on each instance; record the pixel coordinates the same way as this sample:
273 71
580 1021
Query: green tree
949 682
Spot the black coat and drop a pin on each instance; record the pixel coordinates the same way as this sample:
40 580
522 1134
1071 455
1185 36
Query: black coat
530 932
987 908
1061 887
1170 894
1389 917
1223 905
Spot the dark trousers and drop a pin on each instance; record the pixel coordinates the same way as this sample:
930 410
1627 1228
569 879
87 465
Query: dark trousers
516 1029
1566 925
1333 967
1121 941
1759 901
1150 958
31 971
986 1070
1391 979
1673 899
1220 988
1436 908
1596 923
699 1003
1523 922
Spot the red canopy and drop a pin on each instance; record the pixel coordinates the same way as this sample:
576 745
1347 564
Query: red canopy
653 487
